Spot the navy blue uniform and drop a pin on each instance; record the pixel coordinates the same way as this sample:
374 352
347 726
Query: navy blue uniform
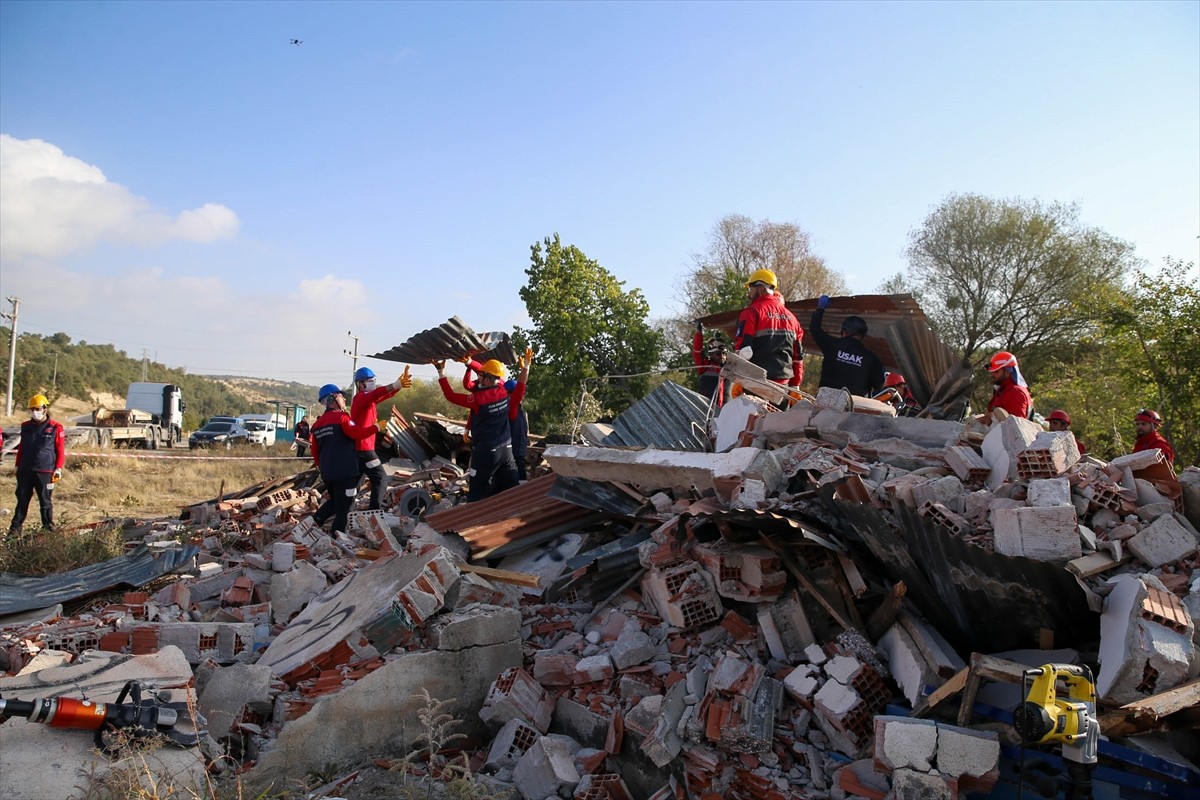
848 364
493 468
334 438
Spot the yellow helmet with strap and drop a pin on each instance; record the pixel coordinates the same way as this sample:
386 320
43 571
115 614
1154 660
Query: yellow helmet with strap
763 276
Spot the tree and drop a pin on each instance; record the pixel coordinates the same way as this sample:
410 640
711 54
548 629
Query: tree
1011 274
585 327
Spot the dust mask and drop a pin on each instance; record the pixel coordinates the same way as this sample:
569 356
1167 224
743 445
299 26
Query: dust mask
38 414
369 385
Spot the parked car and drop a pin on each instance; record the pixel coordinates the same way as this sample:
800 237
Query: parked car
261 432
238 420
219 434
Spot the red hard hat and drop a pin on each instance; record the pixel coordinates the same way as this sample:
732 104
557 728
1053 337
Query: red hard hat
893 379
1059 415
1002 359
1149 415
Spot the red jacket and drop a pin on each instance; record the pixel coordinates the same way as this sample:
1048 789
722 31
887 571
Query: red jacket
42 446
700 356
334 435
1012 397
774 335
492 410
362 411
1155 441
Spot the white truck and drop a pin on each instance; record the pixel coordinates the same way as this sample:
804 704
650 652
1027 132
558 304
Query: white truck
153 415
262 427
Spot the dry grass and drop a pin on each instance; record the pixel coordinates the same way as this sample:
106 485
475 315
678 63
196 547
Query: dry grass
99 485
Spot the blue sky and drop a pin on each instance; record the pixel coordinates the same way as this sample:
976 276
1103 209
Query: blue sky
178 178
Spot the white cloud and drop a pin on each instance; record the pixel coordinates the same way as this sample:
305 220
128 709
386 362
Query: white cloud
54 204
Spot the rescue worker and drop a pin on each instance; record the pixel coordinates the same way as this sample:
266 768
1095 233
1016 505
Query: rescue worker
768 334
368 395
847 363
303 431
709 358
334 436
1146 423
41 453
493 468
519 428
1060 420
1009 389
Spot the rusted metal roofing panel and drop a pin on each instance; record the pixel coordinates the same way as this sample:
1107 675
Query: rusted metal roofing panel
20 593
669 418
899 334
520 512
978 599
452 339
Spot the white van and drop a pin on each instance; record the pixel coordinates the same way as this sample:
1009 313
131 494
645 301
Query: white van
261 428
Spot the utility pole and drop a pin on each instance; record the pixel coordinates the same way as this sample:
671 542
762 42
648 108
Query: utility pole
12 352
354 357
145 355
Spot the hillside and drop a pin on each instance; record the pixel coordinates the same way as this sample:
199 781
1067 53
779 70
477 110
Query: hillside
78 377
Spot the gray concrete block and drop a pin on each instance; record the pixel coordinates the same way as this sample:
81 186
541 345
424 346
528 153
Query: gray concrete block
1049 492
579 722
1163 541
229 690
473 626
1046 534
909 784
961 751
291 591
1138 657
545 770
905 743
632 647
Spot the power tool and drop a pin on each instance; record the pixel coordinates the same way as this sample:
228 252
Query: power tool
142 720
1046 717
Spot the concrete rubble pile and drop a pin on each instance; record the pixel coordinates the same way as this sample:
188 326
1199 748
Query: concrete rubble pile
777 619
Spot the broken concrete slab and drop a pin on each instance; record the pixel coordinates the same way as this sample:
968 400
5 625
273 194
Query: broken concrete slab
1139 656
472 626
904 743
380 603
1049 492
1003 444
1045 534
292 590
1163 541
545 770
229 691
663 469
44 763
962 752
380 710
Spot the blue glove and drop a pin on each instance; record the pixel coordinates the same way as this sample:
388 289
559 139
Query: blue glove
823 301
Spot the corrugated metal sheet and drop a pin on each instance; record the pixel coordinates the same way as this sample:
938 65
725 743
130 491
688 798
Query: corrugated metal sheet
899 334
669 418
597 496
407 439
978 599
517 514
20 593
593 575
451 340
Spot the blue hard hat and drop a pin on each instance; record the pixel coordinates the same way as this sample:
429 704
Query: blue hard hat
510 384
326 390
363 374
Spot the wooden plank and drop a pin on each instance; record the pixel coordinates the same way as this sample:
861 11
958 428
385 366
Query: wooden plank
951 687
504 576
1094 564
803 580
1145 714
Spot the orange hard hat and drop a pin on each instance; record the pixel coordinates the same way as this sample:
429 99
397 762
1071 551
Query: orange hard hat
1001 360
1059 415
1149 415
493 367
894 379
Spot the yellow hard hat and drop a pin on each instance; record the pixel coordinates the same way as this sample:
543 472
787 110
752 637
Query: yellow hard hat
39 401
764 275
493 367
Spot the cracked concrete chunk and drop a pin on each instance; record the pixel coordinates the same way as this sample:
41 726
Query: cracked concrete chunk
904 743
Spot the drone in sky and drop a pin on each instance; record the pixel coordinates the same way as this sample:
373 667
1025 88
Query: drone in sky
296 42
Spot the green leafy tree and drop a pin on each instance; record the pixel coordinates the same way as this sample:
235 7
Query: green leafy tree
585 325
1012 274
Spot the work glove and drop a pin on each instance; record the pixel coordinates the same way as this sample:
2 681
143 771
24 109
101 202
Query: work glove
404 381
382 425
439 365
466 359
699 326
746 352
823 301
527 359
57 474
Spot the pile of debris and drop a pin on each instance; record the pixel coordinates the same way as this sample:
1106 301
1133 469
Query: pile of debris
775 618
